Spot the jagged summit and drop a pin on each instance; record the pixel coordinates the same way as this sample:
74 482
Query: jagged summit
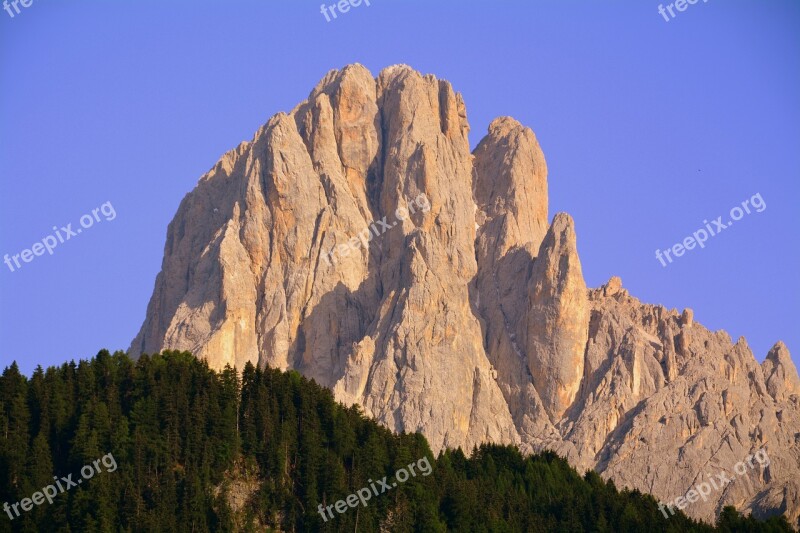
358 240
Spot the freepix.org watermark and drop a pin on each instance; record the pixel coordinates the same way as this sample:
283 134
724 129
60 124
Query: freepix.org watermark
8 5
62 485
362 495
702 490
49 243
712 229
679 5
421 202
343 6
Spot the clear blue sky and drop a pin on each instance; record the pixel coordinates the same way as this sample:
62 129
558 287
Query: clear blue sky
649 127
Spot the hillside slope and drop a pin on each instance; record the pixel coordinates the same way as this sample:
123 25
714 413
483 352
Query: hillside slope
196 450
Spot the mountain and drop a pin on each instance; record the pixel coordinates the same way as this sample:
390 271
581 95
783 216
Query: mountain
358 241
179 447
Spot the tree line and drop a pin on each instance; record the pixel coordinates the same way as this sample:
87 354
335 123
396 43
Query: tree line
200 451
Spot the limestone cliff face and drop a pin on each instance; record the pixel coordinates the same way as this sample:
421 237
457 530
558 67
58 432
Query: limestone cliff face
557 318
357 240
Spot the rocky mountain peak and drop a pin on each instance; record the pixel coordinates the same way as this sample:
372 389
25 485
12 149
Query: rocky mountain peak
357 240
780 373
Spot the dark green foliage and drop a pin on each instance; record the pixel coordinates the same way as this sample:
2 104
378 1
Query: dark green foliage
168 421
183 436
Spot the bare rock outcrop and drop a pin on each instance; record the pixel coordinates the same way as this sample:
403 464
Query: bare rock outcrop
557 318
780 373
357 240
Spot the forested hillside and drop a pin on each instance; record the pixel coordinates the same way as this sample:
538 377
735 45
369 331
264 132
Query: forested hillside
197 450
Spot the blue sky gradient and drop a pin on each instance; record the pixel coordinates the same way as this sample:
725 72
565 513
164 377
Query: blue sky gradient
649 127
